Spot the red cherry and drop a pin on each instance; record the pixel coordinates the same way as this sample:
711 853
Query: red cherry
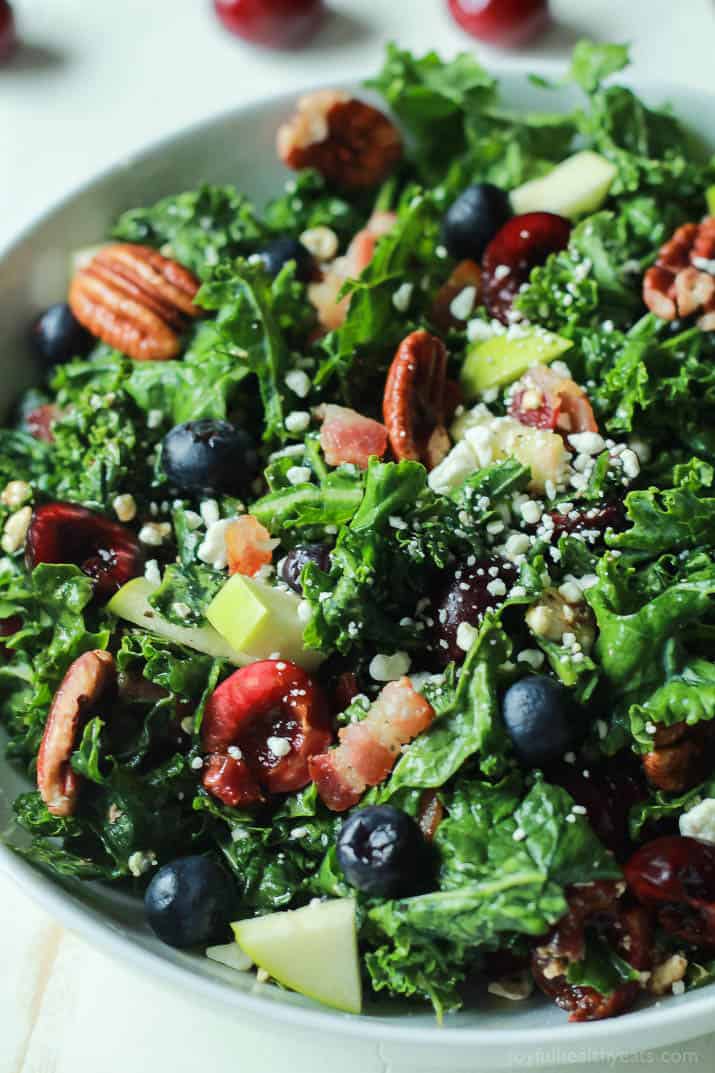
590 520
106 551
501 22
281 23
269 699
520 245
8 35
676 876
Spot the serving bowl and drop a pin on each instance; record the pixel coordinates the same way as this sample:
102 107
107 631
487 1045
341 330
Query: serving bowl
239 147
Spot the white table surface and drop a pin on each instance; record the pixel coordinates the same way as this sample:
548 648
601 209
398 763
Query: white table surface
95 82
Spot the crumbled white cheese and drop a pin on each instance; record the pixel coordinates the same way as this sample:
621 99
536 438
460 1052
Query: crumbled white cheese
531 512
193 520
402 296
141 862
630 464
465 635
571 592
453 470
532 656
699 821
154 418
197 763
125 507
304 612
209 511
212 549
462 304
496 587
298 382
154 534
321 241
278 746
516 545
298 474
389 668
152 572
587 443
297 421
15 530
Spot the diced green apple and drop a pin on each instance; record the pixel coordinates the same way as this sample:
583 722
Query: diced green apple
258 619
577 186
710 199
312 950
132 604
503 358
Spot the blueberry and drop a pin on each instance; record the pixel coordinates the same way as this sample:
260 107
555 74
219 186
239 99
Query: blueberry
382 852
541 719
281 250
292 566
209 456
57 336
189 902
473 220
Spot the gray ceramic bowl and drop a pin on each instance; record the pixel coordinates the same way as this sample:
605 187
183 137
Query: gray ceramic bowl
239 147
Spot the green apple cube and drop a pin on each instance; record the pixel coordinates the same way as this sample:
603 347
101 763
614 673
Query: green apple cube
503 358
132 604
313 951
577 186
258 619
710 199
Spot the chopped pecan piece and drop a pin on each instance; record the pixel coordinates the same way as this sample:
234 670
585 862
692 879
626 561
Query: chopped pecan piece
681 283
135 300
349 142
681 756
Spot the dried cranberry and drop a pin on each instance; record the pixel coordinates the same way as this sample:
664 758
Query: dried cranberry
625 927
522 243
608 796
594 520
676 876
39 422
465 599
106 551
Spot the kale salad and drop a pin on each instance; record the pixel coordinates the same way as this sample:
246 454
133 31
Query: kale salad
357 590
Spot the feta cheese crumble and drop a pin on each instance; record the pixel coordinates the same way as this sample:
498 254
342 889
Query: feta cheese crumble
699 821
389 668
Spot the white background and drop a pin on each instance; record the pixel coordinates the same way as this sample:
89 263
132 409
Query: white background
96 80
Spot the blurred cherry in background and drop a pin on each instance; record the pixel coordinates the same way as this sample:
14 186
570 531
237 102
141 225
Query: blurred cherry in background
280 23
508 23
8 36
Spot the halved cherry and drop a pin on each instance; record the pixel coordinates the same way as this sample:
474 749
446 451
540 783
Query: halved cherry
676 876
522 243
594 520
275 716
106 551
230 779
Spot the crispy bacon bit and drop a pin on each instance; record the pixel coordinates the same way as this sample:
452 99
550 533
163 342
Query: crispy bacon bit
368 750
347 436
249 546
543 399
324 295
39 422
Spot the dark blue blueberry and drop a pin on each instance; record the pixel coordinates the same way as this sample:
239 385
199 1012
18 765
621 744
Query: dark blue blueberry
57 336
541 719
209 456
473 219
189 902
381 851
281 250
292 566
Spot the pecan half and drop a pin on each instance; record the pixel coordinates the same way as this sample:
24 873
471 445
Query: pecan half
414 402
681 757
349 142
82 686
135 300
682 280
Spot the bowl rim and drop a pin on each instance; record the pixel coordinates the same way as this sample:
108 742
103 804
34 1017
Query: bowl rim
670 1023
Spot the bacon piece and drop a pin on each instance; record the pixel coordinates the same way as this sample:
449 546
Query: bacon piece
324 295
347 436
368 750
543 399
249 546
